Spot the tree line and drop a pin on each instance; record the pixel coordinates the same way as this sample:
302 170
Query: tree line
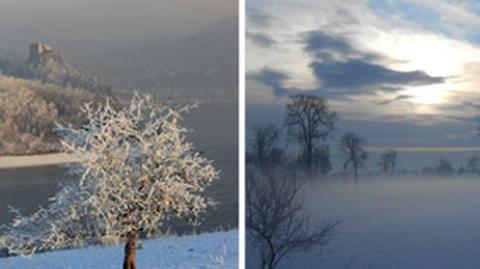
311 123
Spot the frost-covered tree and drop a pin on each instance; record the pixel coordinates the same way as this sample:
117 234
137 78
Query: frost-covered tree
137 171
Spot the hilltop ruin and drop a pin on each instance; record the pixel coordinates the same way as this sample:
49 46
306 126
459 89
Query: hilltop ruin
37 50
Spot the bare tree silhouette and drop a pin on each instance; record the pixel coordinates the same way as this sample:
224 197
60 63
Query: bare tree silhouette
388 161
309 118
444 167
276 222
473 165
263 142
351 145
321 163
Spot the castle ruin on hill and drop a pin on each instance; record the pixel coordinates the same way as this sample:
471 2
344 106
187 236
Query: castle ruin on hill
37 50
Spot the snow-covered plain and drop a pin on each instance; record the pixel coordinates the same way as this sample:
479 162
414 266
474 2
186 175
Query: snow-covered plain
205 251
397 223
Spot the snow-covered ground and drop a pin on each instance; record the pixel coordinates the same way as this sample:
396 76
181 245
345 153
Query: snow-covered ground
397 223
205 251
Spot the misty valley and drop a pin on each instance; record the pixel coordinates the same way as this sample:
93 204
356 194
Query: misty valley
404 222
318 196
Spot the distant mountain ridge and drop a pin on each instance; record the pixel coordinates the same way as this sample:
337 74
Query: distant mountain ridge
202 64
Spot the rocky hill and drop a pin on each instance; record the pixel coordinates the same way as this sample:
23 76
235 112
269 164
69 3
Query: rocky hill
48 65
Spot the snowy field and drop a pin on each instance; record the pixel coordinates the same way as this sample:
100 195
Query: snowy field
397 224
204 251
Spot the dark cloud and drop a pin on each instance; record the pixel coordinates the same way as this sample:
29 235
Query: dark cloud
273 78
390 89
318 41
360 74
472 119
471 104
463 105
342 70
338 63
420 119
330 47
395 99
260 19
261 39
276 80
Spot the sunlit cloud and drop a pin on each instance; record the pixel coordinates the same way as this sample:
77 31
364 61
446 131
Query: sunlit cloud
354 49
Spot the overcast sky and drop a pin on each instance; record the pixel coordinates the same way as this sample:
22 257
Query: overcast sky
108 21
403 74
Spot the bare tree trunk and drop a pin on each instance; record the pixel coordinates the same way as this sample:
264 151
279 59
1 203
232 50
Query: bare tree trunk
309 159
355 171
271 261
129 260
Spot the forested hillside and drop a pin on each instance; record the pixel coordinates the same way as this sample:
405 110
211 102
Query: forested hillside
29 110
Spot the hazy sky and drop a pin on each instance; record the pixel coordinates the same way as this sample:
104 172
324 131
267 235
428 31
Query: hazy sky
108 21
401 73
